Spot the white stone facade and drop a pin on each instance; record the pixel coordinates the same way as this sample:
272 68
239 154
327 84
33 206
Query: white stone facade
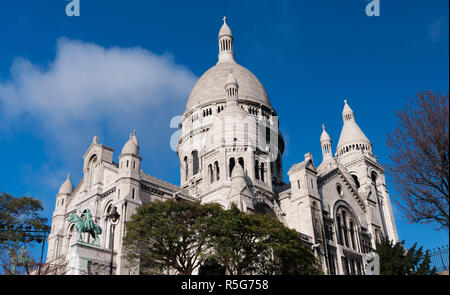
230 151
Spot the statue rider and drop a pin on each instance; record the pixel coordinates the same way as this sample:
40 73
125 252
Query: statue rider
89 223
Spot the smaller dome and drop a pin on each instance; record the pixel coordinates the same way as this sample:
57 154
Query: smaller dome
238 171
67 187
352 136
132 145
324 136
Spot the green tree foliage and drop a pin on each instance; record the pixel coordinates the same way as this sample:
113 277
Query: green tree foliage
168 235
16 216
395 259
181 236
258 244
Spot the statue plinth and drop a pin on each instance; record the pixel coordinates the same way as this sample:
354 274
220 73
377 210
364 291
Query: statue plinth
88 259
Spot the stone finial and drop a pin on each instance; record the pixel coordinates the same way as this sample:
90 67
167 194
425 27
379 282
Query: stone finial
224 19
95 139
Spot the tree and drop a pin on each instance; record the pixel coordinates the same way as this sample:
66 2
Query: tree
17 262
420 159
18 215
182 236
168 235
258 244
396 260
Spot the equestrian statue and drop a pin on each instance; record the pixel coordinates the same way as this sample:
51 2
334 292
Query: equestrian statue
85 224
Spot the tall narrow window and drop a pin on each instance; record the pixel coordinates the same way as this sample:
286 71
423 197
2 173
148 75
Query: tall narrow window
132 194
231 165
195 162
262 172
355 178
241 162
256 169
344 219
339 224
216 168
211 174
186 168
352 234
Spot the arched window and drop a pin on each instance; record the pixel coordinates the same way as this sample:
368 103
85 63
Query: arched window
92 170
71 236
355 178
352 234
210 173
256 169
109 237
231 165
186 168
195 162
217 171
344 219
262 172
339 224
374 177
241 162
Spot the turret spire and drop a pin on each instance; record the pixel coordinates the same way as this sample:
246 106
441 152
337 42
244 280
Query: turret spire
325 142
232 89
225 43
352 138
347 113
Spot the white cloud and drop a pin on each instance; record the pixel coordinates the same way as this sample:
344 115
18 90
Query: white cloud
90 90
85 76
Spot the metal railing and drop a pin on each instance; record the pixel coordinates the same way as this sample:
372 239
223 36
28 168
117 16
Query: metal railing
439 258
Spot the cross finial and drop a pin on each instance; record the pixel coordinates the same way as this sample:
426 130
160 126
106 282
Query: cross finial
224 19
323 127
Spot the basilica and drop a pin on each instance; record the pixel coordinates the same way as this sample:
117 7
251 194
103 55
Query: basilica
230 152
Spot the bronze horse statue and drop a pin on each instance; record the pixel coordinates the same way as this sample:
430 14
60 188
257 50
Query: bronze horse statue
85 225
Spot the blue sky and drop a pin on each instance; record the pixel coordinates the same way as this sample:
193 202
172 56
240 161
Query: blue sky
131 64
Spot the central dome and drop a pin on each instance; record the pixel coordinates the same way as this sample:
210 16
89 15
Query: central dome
210 87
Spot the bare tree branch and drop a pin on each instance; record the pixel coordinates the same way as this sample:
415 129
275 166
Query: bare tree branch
420 159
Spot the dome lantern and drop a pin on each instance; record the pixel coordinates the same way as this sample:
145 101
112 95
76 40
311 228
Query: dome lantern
225 43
